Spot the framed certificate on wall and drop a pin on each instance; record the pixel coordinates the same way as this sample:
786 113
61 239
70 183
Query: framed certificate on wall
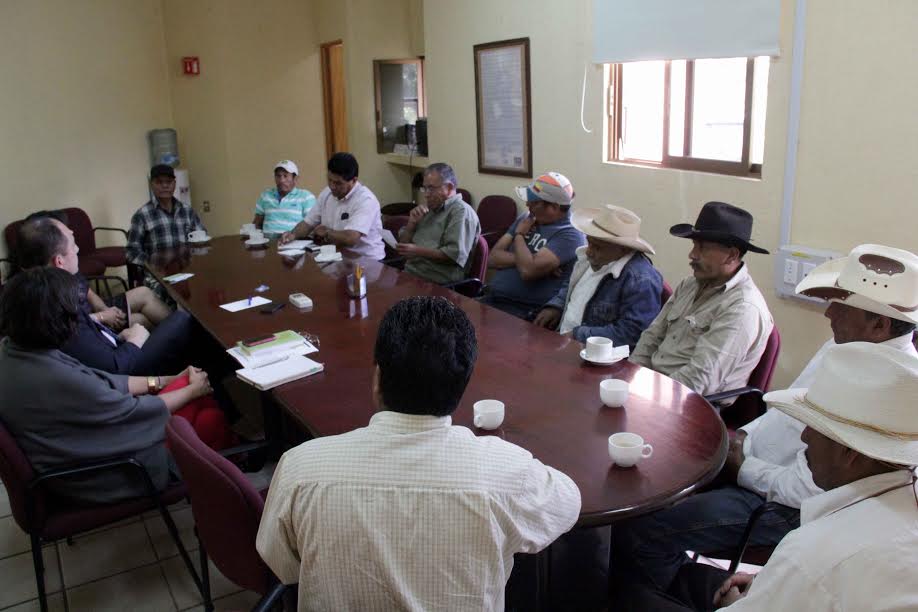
503 107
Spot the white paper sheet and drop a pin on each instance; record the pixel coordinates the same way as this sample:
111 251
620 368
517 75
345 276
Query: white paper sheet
296 244
389 238
245 303
177 278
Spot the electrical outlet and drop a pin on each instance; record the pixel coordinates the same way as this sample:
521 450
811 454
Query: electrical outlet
790 271
793 263
206 205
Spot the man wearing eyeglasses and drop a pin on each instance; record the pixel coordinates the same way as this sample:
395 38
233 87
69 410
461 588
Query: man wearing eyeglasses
346 213
438 239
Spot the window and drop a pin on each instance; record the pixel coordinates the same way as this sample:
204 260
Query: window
706 114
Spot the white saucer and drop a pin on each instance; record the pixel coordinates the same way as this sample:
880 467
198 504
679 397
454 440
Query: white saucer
254 242
583 356
202 241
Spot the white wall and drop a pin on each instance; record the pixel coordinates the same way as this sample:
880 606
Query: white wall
857 143
82 83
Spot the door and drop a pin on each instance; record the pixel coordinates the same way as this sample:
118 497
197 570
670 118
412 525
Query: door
333 94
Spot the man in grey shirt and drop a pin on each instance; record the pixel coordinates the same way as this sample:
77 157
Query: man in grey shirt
438 240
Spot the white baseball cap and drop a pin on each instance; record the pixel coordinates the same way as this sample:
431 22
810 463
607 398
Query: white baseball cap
287 165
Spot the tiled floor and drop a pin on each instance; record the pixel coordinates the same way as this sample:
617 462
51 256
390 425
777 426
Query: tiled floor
131 565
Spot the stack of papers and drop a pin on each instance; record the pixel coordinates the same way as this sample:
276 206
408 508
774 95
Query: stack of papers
295 244
288 344
323 258
287 370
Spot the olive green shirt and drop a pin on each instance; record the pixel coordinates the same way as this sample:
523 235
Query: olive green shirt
452 229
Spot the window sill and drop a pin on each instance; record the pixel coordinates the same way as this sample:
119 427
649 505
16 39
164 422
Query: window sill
658 167
412 161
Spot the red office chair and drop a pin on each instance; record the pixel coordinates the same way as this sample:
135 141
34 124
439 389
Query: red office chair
496 214
85 235
749 404
396 209
47 519
473 283
227 510
466 195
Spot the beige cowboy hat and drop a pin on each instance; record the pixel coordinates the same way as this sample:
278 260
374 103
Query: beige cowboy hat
612 224
863 396
872 277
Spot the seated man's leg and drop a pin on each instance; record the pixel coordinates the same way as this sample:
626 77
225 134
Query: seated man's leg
166 350
651 548
143 302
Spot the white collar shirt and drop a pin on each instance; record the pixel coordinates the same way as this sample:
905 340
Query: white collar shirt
775 465
584 285
409 513
856 549
359 211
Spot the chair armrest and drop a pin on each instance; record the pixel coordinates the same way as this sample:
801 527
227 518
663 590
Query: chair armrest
750 525
111 229
109 278
266 603
97 466
719 397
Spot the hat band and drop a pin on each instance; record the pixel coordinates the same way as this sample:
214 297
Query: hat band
865 426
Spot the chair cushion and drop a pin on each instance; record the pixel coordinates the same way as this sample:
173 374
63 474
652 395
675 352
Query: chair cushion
112 256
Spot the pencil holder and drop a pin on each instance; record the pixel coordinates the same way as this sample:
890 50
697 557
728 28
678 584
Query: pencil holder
356 288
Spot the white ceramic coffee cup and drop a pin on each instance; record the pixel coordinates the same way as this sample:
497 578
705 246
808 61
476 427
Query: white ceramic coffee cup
256 235
327 249
488 414
599 348
248 228
613 392
197 236
627 449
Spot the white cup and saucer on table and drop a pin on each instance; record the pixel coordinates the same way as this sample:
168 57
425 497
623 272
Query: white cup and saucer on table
602 351
256 238
488 414
627 449
247 229
198 237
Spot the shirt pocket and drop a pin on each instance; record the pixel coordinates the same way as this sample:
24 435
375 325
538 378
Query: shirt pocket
603 312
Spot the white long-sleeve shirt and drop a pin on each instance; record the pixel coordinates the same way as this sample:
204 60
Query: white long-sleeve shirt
856 549
409 513
775 465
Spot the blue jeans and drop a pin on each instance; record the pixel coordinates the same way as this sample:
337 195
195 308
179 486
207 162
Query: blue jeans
650 549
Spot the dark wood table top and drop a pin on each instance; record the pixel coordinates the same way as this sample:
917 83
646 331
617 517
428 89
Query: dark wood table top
552 396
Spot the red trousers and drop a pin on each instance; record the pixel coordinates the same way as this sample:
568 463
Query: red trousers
205 417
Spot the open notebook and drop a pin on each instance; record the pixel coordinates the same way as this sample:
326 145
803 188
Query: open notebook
287 370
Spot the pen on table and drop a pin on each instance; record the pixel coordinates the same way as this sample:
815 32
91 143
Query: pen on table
250 301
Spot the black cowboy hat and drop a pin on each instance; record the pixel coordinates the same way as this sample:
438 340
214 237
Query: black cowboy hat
722 223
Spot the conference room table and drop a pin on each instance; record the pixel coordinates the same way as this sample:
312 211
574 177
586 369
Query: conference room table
553 408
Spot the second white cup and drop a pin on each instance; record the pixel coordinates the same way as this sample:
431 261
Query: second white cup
613 392
627 449
488 414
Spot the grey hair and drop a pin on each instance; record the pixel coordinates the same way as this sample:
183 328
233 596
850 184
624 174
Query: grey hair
445 171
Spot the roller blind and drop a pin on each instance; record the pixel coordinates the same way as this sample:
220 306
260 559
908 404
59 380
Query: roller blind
637 30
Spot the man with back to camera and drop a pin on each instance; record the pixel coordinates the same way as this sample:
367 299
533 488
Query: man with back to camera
439 238
346 213
535 257
411 512
278 210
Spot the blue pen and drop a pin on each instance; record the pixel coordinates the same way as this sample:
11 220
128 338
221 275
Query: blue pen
250 301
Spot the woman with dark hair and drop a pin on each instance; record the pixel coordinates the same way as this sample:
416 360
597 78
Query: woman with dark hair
62 412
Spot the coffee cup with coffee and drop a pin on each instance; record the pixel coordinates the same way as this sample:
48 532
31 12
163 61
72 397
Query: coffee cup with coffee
488 414
627 449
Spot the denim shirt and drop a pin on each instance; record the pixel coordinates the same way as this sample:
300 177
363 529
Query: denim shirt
622 307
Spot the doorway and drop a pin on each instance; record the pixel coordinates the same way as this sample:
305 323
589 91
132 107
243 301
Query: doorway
333 94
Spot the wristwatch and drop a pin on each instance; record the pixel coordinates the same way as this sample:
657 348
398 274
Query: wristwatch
152 384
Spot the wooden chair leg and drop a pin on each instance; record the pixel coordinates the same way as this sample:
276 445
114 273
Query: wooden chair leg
39 564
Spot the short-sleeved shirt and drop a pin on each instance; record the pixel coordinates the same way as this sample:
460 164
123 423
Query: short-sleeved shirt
562 239
451 229
357 211
282 214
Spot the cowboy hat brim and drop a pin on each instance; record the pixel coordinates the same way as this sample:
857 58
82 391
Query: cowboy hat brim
866 442
686 230
582 219
821 283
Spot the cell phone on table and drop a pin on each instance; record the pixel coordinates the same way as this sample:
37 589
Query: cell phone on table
258 340
271 308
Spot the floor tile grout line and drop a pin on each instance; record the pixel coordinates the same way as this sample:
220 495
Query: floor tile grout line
159 564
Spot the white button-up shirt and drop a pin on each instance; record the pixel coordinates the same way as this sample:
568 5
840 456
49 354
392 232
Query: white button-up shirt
583 288
357 211
856 549
775 464
409 513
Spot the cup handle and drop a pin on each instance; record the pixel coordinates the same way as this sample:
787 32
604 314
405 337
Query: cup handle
477 420
647 451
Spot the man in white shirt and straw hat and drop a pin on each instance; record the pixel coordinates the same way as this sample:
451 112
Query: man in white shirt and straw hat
857 546
614 290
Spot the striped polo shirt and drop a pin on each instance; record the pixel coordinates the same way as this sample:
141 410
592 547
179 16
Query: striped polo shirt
282 215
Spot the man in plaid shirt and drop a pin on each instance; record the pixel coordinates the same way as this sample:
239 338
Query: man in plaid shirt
162 224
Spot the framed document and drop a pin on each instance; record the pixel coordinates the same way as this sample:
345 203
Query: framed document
503 108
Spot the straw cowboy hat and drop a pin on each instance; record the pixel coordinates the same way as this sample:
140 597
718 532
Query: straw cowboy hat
722 223
612 224
872 277
863 396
